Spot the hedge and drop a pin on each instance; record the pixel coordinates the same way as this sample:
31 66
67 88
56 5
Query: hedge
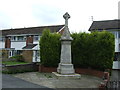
94 50
50 48
89 50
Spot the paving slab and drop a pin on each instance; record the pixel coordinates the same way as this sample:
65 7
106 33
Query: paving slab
49 80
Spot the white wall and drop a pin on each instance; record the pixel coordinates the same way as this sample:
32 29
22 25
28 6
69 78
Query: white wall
116 45
2 44
34 53
18 45
117 42
36 47
116 65
35 57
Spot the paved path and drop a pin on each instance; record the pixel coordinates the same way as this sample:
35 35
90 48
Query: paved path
115 75
48 80
9 81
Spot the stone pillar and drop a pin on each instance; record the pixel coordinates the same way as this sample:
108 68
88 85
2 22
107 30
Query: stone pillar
65 66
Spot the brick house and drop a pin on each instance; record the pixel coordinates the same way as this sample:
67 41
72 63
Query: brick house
24 41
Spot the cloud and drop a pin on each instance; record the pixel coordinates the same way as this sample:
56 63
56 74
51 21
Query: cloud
29 13
46 14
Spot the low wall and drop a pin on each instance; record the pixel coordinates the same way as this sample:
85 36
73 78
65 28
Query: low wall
20 68
77 70
90 72
47 69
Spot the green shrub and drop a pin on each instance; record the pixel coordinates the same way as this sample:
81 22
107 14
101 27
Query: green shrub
18 58
50 48
94 50
103 51
80 49
89 50
16 71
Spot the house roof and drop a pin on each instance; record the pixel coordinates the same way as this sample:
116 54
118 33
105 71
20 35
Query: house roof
31 30
29 46
105 25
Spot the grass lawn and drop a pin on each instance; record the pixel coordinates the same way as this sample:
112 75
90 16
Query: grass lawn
13 62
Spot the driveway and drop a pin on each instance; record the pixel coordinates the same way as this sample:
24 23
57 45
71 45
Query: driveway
9 81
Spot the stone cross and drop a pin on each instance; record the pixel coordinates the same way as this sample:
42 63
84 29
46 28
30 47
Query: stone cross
66 33
66 16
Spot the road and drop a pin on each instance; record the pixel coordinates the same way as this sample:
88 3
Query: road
9 81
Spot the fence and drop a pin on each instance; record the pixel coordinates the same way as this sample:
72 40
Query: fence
113 85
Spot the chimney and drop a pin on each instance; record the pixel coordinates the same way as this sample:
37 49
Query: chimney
29 40
7 42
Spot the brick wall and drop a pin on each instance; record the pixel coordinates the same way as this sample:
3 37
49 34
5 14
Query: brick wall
29 39
7 42
89 72
4 54
77 70
27 55
47 69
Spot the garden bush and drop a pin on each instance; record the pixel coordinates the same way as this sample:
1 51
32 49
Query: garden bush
94 50
89 50
18 58
50 48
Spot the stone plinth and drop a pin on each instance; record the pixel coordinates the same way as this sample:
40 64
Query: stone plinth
67 76
65 69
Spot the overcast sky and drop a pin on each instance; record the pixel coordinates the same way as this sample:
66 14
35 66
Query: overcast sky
32 13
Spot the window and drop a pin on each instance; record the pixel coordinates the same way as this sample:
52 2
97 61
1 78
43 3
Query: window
36 38
13 38
2 38
17 38
11 53
119 34
20 38
38 53
119 47
18 52
37 56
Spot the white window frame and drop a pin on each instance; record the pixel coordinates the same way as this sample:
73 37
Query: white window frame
13 38
18 38
36 36
11 53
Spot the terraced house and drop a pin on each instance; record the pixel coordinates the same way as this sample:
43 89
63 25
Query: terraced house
24 41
